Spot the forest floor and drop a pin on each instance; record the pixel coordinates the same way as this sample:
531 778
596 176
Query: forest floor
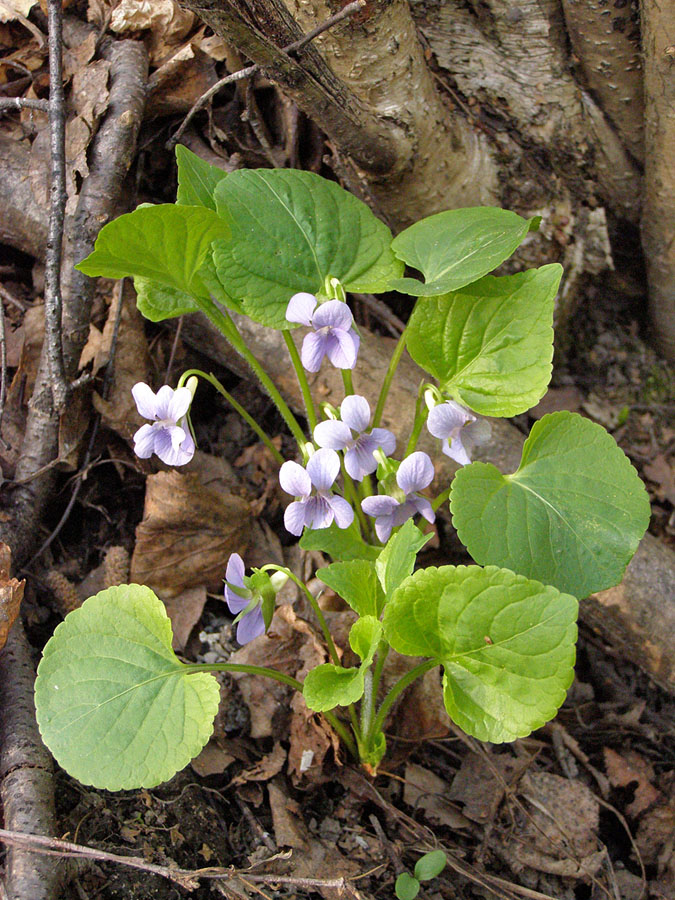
581 810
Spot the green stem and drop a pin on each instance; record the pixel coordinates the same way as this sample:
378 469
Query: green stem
262 434
225 324
367 705
397 689
302 380
382 654
352 496
442 497
347 381
388 378
334 722
315 606
420 419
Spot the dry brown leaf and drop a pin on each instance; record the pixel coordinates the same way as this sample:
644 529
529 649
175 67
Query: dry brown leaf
481 783
655 833
11 594
192 522
425 790
213 760
556 399
661 472
179 82
89 100
10 10
632 769
266 768
167 22
132 363
558 833
184 610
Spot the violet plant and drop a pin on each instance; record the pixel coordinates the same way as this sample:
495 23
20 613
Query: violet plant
116 706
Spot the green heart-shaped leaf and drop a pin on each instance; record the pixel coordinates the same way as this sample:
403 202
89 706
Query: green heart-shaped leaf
456 247
356 582
328 686
168 244
339 543
114 704
197 179
290 230
490 345
572 515
397 559
430 865
506 643
406 887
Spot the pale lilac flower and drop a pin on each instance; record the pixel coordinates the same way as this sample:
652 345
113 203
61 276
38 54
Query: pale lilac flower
459 428
414 474
333 334
316 510
168 436
252 624
351 435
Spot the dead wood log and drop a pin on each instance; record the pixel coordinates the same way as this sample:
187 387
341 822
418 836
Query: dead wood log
636 619
23 223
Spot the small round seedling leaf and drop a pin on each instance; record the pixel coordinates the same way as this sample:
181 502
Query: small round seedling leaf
115 706
430 865
506 643
328 686
571 516
406 887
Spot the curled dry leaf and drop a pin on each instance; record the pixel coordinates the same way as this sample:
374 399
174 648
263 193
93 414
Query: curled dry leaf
11 594
180 81
192 522
15 9
425 790
184 610
632 770
482 781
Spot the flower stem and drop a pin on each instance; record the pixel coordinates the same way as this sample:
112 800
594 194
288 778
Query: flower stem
347 381
352 495
397 689
315 606
388 378
420 419
262 434
302 380
225 324
442 497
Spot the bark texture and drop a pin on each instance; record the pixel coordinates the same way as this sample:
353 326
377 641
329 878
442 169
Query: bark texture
635 618
658 217
23 223
410 158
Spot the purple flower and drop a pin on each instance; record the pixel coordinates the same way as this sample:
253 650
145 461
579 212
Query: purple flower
350 435
168 435
252 623
459 428
319 510
414 474
333 334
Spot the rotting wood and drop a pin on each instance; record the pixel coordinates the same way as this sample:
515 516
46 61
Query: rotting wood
634 619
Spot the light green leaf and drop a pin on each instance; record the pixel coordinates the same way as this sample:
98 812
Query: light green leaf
339 543
356 582
158 301
167 244
328 686
406 887
430 865
115 706
397 559
490 345
506 643
456 247
197 179
290 230
364 637
572 515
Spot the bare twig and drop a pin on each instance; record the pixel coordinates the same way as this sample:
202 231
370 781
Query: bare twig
57 212
10 298
249 71
3 362
381 311
23 103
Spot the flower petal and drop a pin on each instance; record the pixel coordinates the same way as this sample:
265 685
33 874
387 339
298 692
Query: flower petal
423 507
359 460
323 468
295 480
163 402
456 450
171 453
334 314
144 441
300 308
332 434
383 527
186 451
340 349
343 512
446 418
234 573
355 411
313 351
144 397
415 472
318 513
476 433
294 517
380 505
250 626
385 439
179 404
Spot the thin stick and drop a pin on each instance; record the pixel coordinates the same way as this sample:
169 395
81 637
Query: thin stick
10 298
249 71
3 362
23 103
57 212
